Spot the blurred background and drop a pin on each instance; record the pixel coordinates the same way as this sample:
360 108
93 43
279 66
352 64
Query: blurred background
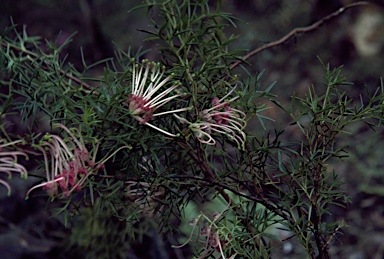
355 40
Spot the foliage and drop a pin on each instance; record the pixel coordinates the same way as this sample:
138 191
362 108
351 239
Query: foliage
172 133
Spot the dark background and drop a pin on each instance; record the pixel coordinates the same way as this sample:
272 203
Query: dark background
355 40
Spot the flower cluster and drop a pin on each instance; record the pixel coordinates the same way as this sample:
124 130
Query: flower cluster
8 161
145 98
220 118
70 162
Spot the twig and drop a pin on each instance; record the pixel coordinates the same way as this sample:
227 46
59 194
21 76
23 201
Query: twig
46 62
297 31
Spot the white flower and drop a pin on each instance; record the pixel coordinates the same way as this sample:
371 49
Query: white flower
70 162
145 99
8 161
220 118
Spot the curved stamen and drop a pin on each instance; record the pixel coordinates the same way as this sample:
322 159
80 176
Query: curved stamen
222 119
146 96
70 162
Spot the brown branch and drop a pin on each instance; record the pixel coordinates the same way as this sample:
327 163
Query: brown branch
295 32
211 183
214 183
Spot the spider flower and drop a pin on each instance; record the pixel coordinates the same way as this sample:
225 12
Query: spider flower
8 161
146 97
220 118
68 163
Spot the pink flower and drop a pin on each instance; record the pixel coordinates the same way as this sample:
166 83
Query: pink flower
68 163
220 118
145 99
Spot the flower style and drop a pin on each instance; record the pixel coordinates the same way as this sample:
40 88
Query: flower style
145 99
8 161
70 162
220 118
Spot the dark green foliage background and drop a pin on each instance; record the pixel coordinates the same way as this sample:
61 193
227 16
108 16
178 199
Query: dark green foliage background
101 25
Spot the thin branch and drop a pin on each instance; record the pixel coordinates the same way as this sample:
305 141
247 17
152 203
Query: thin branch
46 62
297 31
213 182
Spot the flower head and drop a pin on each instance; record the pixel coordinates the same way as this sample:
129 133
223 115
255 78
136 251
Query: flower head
70 162
220 118
146 97
8 161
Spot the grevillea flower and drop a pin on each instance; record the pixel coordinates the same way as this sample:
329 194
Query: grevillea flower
8 161
220 118
68 162
146 97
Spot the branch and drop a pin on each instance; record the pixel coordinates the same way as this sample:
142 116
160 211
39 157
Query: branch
297 31
212 182
46 62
